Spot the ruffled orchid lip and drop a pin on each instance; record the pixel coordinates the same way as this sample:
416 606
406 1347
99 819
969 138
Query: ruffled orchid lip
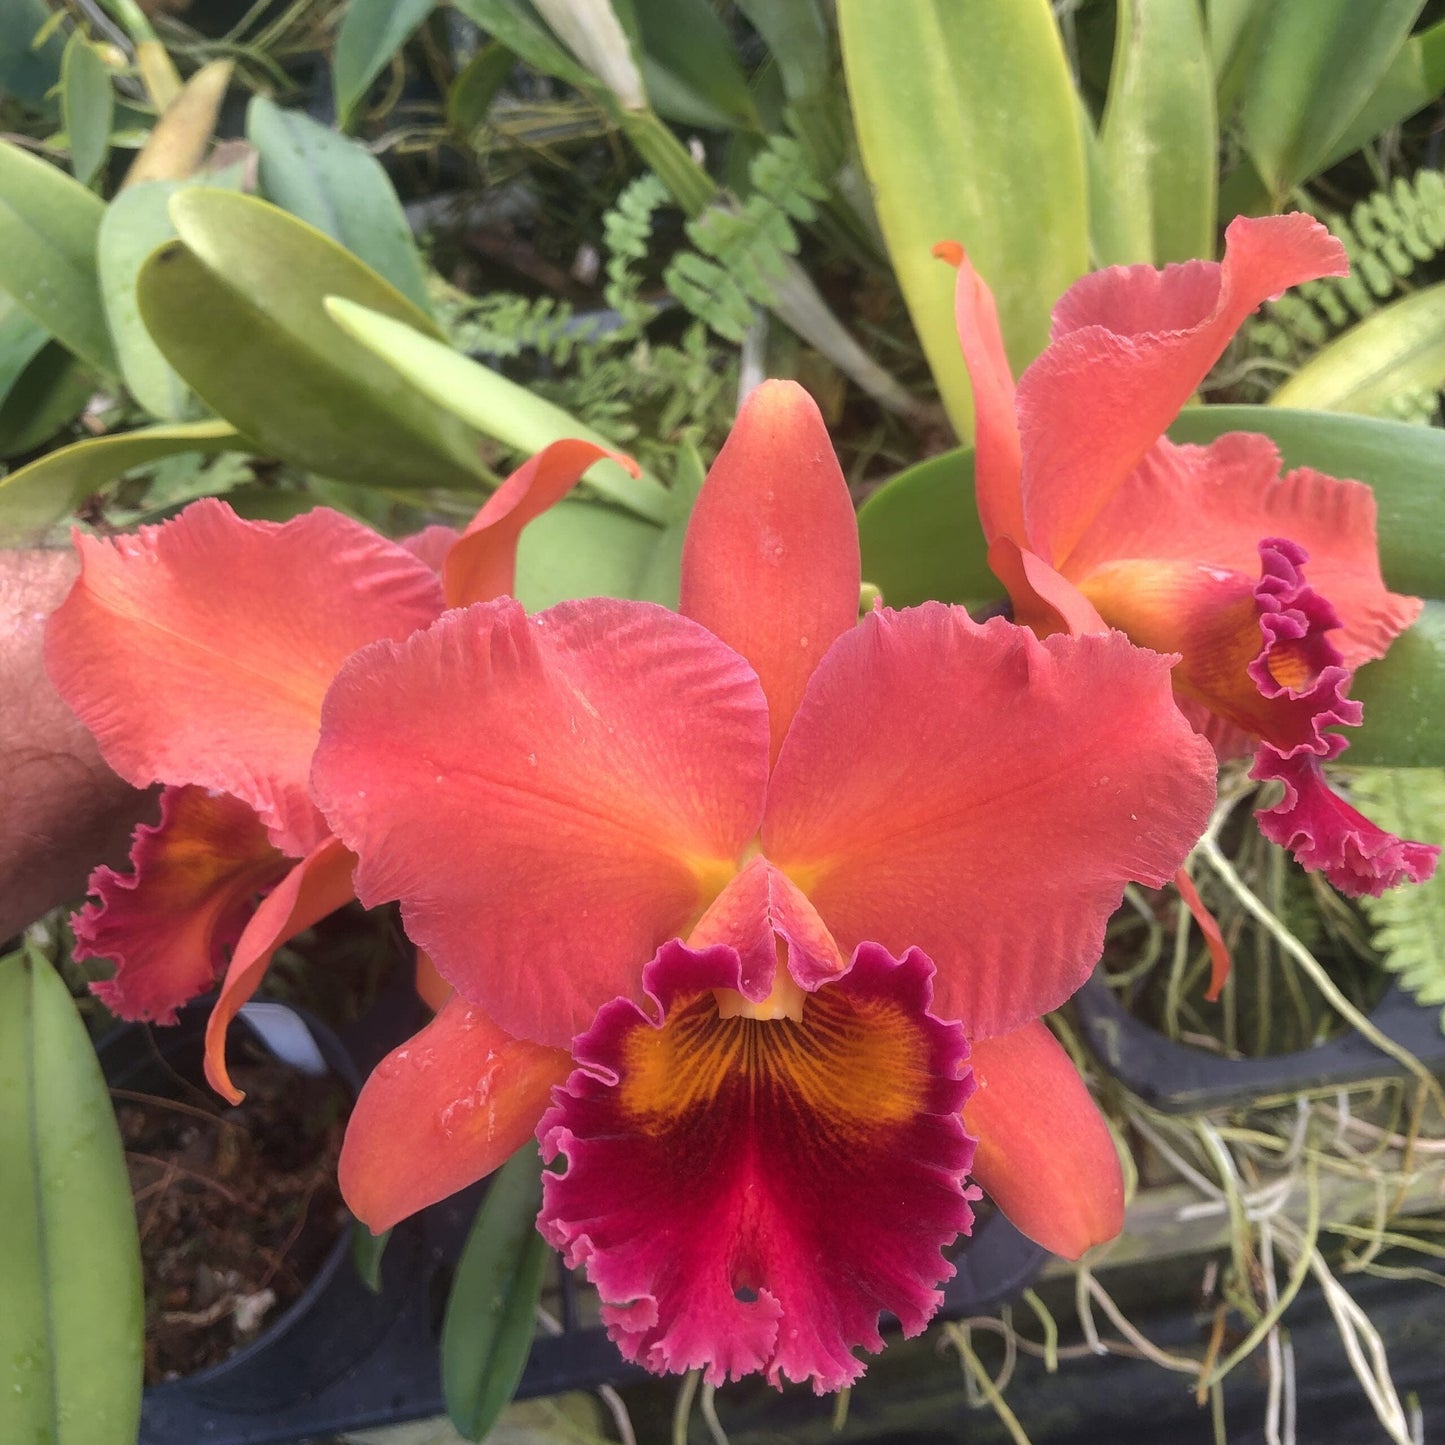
718 1168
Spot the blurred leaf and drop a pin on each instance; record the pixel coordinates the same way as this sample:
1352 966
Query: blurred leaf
48 228
489 402
136 222
366 1253
20 341
1158 140
969 131
1315 64
236 307
1415 79
49 489
471 94
72 1330
29 73
661 578
87 106
1397 350
689 63
487 1333
47 395
798 42
1404 699
1404 465
517 26
371 32
921 538
336 185
182 135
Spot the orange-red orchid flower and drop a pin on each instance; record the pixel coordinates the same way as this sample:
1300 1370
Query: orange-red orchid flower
730 888
1097 520
198 653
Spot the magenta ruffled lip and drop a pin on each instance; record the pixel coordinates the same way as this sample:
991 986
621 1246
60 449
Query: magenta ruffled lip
718 1170
1323 832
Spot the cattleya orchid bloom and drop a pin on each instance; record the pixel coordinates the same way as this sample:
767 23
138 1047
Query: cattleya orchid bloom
741 906
198 653
1268 586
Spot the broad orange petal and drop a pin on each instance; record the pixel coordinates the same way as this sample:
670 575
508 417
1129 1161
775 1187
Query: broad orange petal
1045 1155
1130 346
199 651
771 560
440 1112
549 797
985 796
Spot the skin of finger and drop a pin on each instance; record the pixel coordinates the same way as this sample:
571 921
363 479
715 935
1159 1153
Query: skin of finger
62 810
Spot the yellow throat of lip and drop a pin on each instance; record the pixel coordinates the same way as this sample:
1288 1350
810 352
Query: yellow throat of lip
785 1001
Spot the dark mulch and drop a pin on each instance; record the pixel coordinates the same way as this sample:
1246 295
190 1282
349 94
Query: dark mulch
237 1208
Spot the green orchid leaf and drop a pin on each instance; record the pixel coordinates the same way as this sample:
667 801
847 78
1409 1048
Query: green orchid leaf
1404 699
48 228
87 106
1404 465
235 305
487 1332
20 341
489 402
1396 351
73 1328
969 131
517 26
339 187
1315 64
921 538
470 97
371 32
38 496
583 549
1158 139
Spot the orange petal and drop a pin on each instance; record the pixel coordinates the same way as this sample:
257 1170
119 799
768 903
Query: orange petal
319 884
483 564
997 464
771 560
199 651
1045 1155
440 1112
1130 346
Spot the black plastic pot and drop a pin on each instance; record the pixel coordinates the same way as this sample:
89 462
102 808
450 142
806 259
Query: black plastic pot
343 1358
1180 1079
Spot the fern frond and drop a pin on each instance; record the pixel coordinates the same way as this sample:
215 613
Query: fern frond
1409 921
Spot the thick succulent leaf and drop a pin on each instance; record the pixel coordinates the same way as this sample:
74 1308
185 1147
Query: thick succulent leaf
1397 350
1315 64
981 145
689 63
72 1330
371 32
236 306
49 489
1404 465
51 391
339 187
1158 138
1404 699
921 537
486 400
487 1332
48 228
